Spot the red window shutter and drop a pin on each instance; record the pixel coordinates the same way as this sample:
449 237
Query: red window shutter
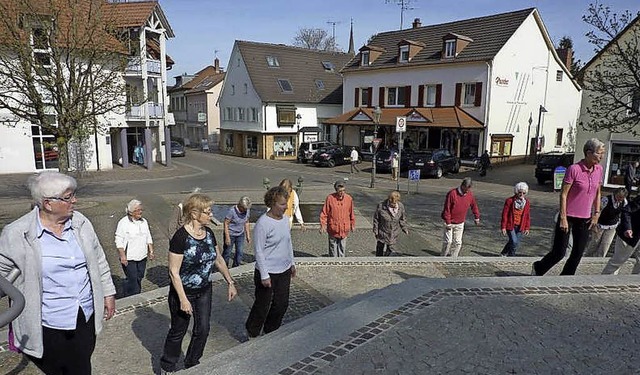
439 95
370 93
356 99
458 93
381 97
420 96
407 96
478 99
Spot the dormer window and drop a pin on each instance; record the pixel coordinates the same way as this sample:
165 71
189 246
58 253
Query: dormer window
450 48
272 61
403 57
364 58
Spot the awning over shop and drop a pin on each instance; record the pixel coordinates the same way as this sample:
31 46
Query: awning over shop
437 117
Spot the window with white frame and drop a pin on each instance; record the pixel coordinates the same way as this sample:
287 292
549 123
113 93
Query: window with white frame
272 62
241 114
253 114
228 113
285 85
450 48
395 96
286 116
364 97
364 58
41 49
404 54
430 95
469 92
284 145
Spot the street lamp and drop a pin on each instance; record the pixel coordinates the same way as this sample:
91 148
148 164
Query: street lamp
528 145
298 120
377 112
541 110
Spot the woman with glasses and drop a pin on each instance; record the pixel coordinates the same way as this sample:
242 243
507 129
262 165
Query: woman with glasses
580 202
516 218
193 253
64 278
134 244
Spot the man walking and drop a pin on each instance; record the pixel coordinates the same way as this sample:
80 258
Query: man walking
337 219
456 205
630 177
354 160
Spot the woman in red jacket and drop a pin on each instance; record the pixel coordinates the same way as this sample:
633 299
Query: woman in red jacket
516 218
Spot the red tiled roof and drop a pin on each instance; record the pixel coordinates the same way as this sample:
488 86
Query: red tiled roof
437 117
136 14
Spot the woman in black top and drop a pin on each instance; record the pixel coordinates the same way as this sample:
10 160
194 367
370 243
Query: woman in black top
193 253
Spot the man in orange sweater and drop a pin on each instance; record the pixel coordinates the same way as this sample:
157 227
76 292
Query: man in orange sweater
456 205
338 219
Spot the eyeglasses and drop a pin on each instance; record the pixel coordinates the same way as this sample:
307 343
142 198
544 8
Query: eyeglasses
66 199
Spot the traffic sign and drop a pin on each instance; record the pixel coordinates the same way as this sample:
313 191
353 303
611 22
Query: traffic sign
414 175
401 124
376 142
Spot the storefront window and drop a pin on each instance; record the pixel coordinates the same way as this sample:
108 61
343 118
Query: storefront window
252 145
284 146
228 142
621 155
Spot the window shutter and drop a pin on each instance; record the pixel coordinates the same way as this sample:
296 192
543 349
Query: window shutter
407 96
370 93
439 95
420 96
356 98
458 93
478 99
381 97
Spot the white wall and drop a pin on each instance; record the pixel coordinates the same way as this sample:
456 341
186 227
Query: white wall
237 76
16 148
530 68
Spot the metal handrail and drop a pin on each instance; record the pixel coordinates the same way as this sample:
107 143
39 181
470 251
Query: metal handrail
17 299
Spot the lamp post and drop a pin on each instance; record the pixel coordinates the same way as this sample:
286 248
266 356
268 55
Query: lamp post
298 120
377 112
541 110
528 145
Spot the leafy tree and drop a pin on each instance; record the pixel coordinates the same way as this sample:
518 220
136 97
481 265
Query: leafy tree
318 39
565 43
612 79
61 65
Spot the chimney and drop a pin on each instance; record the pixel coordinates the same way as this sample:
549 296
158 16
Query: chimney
216 65
416 23
566 56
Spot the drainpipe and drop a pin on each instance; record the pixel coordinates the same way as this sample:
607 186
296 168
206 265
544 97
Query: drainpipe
486 104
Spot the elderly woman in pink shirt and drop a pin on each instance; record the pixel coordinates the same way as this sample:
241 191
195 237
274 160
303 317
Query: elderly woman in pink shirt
579 210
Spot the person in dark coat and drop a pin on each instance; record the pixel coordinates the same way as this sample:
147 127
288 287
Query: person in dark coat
628 232
485 163
388 220
601 235
630 177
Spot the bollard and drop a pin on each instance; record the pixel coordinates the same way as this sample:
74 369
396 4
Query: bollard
299 185
266 183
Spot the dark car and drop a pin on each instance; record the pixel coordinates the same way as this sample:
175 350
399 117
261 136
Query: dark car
434 162
547 163
383 160
308 149
332 156
177 149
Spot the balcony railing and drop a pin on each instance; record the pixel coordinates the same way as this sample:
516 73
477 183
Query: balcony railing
134 66
154 110
17 299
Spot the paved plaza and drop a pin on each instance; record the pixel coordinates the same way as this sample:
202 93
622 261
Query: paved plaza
413 313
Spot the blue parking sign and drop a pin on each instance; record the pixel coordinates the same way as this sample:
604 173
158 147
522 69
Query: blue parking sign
414 175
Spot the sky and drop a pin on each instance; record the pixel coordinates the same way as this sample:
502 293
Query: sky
205 29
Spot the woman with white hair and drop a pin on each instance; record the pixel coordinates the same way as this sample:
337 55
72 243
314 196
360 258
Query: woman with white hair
516 218
134 243
64 278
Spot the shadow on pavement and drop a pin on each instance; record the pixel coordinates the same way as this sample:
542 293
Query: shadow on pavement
158 275
146 328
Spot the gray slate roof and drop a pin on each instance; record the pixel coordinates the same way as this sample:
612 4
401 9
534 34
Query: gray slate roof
489 34
301 66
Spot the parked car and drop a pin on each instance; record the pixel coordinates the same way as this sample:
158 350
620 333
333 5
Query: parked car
332 156
547 163
434 162
177 149
383 160
308 149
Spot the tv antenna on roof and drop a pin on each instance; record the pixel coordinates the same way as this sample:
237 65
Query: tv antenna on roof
404 5
333 28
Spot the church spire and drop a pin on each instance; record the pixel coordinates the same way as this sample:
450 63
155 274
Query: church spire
351 49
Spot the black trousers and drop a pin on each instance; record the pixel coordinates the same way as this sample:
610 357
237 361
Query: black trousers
579 229
380 246
270 304
68 352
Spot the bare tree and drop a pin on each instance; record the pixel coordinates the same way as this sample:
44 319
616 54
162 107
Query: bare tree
612 79
61 65
318 39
